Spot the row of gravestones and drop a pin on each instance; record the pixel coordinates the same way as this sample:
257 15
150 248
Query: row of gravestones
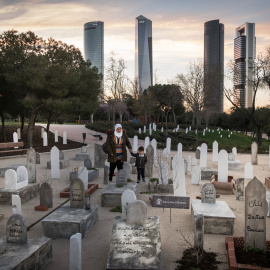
44 135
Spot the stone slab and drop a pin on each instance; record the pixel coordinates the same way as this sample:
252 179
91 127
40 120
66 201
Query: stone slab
111 196
235 165
14 167
64 163
82 156
134 246
207 173
66 221
93 174
36 254
26 193
218 217
268 202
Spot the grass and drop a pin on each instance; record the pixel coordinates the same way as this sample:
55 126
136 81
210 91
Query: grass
118 209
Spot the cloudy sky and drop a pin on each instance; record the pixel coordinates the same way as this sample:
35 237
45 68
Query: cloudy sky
177 27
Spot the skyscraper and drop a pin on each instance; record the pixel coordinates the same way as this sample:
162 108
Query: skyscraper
94 46
244 56
213 65
143 53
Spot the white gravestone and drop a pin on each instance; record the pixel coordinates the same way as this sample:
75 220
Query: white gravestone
55 169
234 151
150 132
254 153
31 165
56 136
64 137
163 173
135 143
22 177
146 142
16 201
203 156
154 144
83 175
137 213
194 161
144 129
162 129
168 145
248 171
196 175
179 149
186 130
15 137
45 139
165 153
75 254
127 197
179 179
42 131
19 133
127 168
10 179
140 131
223 166
215 152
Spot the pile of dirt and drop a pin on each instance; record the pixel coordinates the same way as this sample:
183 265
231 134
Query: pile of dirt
37 141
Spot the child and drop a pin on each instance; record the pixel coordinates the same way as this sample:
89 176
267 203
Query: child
141 160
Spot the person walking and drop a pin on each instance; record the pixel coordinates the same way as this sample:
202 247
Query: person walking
116 144
141 160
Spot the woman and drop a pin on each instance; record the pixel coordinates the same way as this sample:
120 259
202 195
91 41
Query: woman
116 144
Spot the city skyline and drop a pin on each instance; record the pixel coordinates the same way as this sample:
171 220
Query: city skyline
178 28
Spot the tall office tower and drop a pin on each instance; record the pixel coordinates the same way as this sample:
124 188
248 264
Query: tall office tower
213 65
244 56
143 53
94 47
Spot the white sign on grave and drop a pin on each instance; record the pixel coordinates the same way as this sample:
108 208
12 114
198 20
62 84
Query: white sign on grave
83 175
203 155
215 151
223 166
135 143
127 197
55 169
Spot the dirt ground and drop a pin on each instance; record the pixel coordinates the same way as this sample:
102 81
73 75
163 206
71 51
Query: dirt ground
96 243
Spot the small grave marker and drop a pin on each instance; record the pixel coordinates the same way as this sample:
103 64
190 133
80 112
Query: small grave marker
16 230
121 177
208 193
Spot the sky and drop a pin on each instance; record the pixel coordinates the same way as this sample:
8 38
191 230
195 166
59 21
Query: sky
177 28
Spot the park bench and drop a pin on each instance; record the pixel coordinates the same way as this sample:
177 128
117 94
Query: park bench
9 147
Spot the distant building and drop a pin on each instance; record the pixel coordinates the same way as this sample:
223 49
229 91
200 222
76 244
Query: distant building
143 53
94 46
244 56
213 65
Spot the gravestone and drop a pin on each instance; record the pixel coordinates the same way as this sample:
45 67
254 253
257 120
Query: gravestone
56 136
75 252
42 131
10 179
22 177
46 195
165 153
196 175
186 130
231 157
146 142
45 139
198 153
55 168
16 201
135 143
19 133
137 213
208 193
144 129
88 163
61 155
127 197
106 174
198 231
240 189
83 175
254 153
203 155
127 168
150 132
100 156
168 144
140 130
179 180
15 137
255 215
83 149
16 230
234 151
121 177
163 173
189 164
64 137
31 165
77 194
37 157
179 149
150 161
215 151
223 166
248 171
194 161
154 144
162 129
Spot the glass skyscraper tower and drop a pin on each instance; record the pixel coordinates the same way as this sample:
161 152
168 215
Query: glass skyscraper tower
244 56
213 65
143 53
94 46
